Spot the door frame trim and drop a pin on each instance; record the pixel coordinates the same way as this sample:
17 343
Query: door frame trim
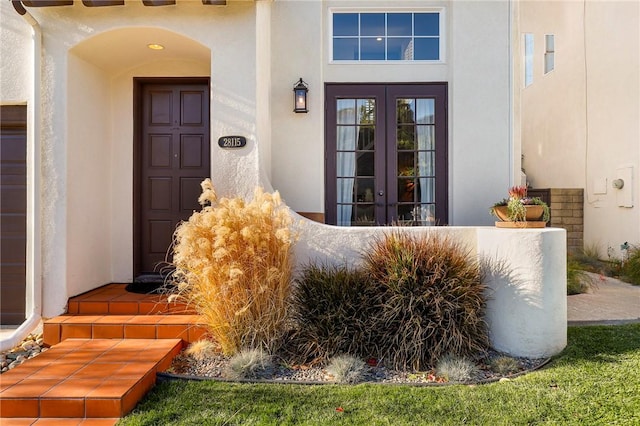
138 85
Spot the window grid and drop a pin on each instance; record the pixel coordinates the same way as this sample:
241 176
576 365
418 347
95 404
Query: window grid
386 37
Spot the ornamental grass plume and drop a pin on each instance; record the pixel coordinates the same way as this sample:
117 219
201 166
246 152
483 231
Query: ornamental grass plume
233 264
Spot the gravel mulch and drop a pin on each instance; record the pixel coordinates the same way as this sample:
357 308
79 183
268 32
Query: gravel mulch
30 347
216 367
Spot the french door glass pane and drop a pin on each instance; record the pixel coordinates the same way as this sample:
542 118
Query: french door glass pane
346 111
425 111
415 160
355 159
426 137
426 164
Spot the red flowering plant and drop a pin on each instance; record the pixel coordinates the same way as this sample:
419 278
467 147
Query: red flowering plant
514 208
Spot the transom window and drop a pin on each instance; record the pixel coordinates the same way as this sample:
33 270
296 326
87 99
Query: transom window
378 36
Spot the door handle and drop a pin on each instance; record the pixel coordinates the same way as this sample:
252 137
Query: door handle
381 193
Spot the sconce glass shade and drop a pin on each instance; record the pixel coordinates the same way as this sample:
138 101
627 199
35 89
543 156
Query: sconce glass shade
300 91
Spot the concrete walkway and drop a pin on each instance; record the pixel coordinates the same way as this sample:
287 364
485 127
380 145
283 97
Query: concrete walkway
610 302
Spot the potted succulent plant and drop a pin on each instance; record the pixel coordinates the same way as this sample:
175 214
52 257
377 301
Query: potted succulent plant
520 211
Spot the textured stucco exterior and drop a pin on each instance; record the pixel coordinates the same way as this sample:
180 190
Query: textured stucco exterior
580 121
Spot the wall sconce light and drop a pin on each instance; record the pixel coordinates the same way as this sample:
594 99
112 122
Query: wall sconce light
300 91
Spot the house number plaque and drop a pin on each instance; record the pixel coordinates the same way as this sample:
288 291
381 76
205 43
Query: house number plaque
232 142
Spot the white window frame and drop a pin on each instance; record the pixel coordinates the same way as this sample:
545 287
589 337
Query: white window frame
442 35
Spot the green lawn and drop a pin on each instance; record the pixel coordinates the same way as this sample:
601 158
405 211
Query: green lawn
595 381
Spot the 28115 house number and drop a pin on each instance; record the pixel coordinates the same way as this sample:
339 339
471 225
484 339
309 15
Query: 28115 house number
232 142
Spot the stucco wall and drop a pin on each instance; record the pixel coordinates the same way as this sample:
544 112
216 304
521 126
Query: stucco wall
580 121
480 144
613 108
476 66
16 71
89 185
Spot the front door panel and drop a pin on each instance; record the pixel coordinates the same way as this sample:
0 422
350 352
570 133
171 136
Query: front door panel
173 160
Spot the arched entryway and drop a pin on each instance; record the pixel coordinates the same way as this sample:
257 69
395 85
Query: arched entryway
102 165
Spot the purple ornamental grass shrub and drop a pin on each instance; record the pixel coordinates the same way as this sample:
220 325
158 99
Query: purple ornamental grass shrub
433 300
333 312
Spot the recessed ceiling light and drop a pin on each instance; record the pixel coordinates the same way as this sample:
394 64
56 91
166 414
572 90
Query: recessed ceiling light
155 46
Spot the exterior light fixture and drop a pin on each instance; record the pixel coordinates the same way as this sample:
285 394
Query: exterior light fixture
300 91
154 46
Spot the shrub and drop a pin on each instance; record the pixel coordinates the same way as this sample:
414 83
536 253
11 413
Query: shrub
504 365
250 364
333 312
346 369
201 350
631 266
456 369
432 299
233 265
578 281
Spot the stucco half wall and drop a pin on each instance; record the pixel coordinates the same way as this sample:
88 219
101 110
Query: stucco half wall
525 271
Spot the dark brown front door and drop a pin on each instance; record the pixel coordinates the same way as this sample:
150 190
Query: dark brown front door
13 213
172 160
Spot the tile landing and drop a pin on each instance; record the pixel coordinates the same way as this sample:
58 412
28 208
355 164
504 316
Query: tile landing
103 359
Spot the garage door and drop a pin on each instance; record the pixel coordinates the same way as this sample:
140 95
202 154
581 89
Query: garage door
13 213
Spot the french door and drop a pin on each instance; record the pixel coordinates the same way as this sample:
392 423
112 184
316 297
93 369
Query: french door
386 154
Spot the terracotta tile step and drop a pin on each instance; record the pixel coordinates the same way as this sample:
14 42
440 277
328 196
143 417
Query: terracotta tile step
82 378
58 421
115 300
63 327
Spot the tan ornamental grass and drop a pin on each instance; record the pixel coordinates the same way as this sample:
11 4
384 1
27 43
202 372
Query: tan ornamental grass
233 264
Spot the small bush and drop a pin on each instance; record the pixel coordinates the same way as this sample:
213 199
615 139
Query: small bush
346 369
333 311
250 364
578 281
432 299
456 369
589 260
631 266
202 349
504 365
233 265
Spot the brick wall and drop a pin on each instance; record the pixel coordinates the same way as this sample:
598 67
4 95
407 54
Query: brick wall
567 211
